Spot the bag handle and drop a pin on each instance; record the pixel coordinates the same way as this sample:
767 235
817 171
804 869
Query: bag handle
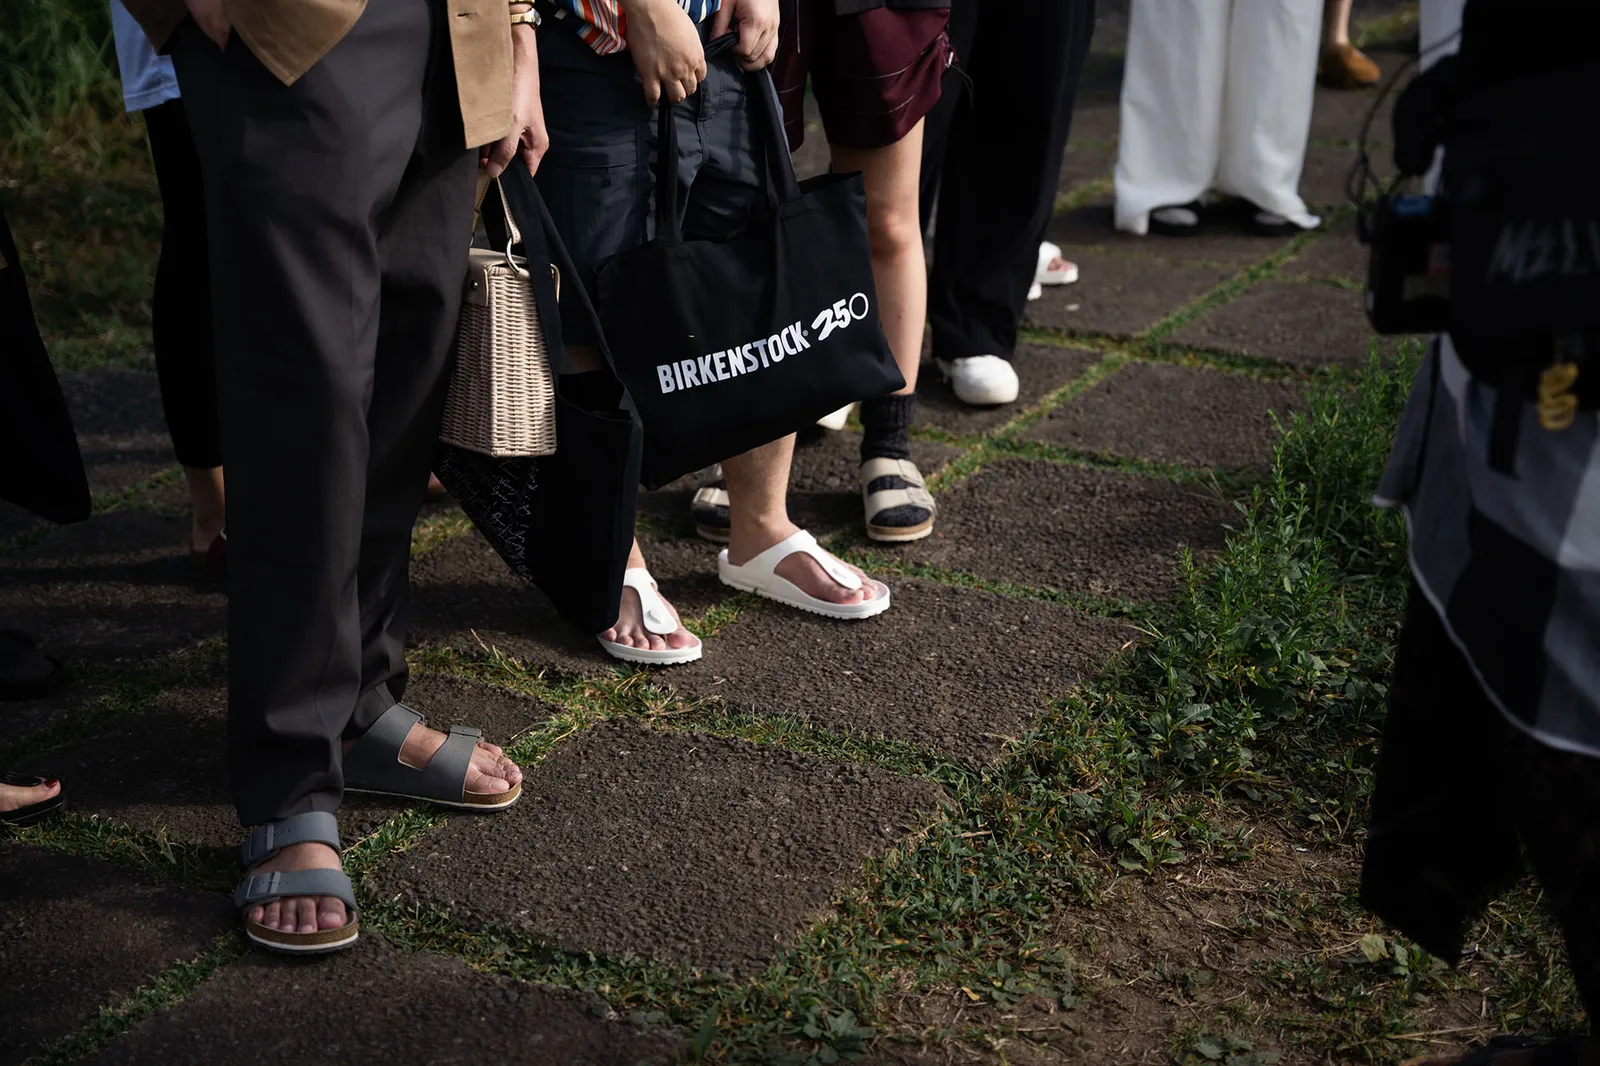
778 169
500 226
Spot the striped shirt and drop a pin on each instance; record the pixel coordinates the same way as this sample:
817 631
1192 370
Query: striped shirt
605 28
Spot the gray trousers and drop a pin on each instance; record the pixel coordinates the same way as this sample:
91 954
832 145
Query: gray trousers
340 213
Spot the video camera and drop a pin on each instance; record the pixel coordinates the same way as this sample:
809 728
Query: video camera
1508 248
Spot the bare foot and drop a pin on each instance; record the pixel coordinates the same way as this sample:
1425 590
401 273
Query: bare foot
16 797
490 772
301 914
630 630
800 569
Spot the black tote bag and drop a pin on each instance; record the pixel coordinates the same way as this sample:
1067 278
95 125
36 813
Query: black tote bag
565 521
728 345
41 468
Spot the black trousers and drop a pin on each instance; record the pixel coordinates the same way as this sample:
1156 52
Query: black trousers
1461 794
340 213
180 310
992 150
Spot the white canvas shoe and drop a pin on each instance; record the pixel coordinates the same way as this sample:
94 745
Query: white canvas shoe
981 380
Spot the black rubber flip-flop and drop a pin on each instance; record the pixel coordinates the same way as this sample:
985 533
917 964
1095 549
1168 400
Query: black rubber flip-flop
22 817
26 673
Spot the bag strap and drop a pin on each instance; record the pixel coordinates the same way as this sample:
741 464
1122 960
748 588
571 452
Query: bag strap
522 201
499 225
778 168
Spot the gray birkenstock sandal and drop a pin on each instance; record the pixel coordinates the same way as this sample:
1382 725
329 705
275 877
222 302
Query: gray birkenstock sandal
373 765
260 889
899 507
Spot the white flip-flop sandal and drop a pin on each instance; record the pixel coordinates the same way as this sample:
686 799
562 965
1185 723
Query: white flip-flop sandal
658 619
760 576
1065 274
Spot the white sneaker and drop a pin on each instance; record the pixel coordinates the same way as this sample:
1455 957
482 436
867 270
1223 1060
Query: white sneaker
837 420
981 380
1036 291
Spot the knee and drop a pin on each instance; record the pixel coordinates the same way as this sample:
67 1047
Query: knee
894 229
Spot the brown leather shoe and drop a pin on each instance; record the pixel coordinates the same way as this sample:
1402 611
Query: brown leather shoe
1344 66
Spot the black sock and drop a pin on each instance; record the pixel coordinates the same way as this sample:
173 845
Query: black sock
888 427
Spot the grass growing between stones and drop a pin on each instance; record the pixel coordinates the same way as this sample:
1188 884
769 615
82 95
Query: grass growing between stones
1240 732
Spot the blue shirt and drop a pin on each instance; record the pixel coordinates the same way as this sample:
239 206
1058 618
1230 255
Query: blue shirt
147 79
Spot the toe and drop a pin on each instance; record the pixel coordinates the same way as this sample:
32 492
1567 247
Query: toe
257 915
682 639
330 913
610 636
271 914
492 749
305 914
656 643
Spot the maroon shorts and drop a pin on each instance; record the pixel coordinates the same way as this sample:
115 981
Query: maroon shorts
875 74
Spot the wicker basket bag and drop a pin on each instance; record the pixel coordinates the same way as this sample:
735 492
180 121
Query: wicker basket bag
502 398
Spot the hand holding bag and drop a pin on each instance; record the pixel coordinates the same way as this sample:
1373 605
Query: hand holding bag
729 345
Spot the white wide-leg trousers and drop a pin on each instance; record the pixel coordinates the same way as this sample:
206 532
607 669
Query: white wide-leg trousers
1216 94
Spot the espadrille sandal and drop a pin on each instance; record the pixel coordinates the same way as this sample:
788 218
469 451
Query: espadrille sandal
760 576
373 765
659 619
260 889
899 508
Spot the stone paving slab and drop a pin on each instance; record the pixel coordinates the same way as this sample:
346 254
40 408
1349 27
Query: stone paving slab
1120 295
1338 114
1175 414
375 1004
22 718
1324 179
118 585
1090 227
948 669
1309 325
1336 256
1084 164
824 489
164 769
1041 368
122 430
707 852
76 935
462 595
1087 531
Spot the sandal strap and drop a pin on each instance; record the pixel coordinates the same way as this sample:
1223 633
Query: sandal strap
712 496
445 776
266 840
280 884
915 494
373 762
658 617
766 563
375 756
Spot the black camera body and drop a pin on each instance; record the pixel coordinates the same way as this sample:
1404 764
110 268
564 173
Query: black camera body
1408 279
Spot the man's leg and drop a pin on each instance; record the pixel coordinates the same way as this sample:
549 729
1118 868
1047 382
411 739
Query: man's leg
999 188
422 251
296 282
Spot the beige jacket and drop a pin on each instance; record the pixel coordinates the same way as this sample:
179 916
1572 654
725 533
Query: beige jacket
289 36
